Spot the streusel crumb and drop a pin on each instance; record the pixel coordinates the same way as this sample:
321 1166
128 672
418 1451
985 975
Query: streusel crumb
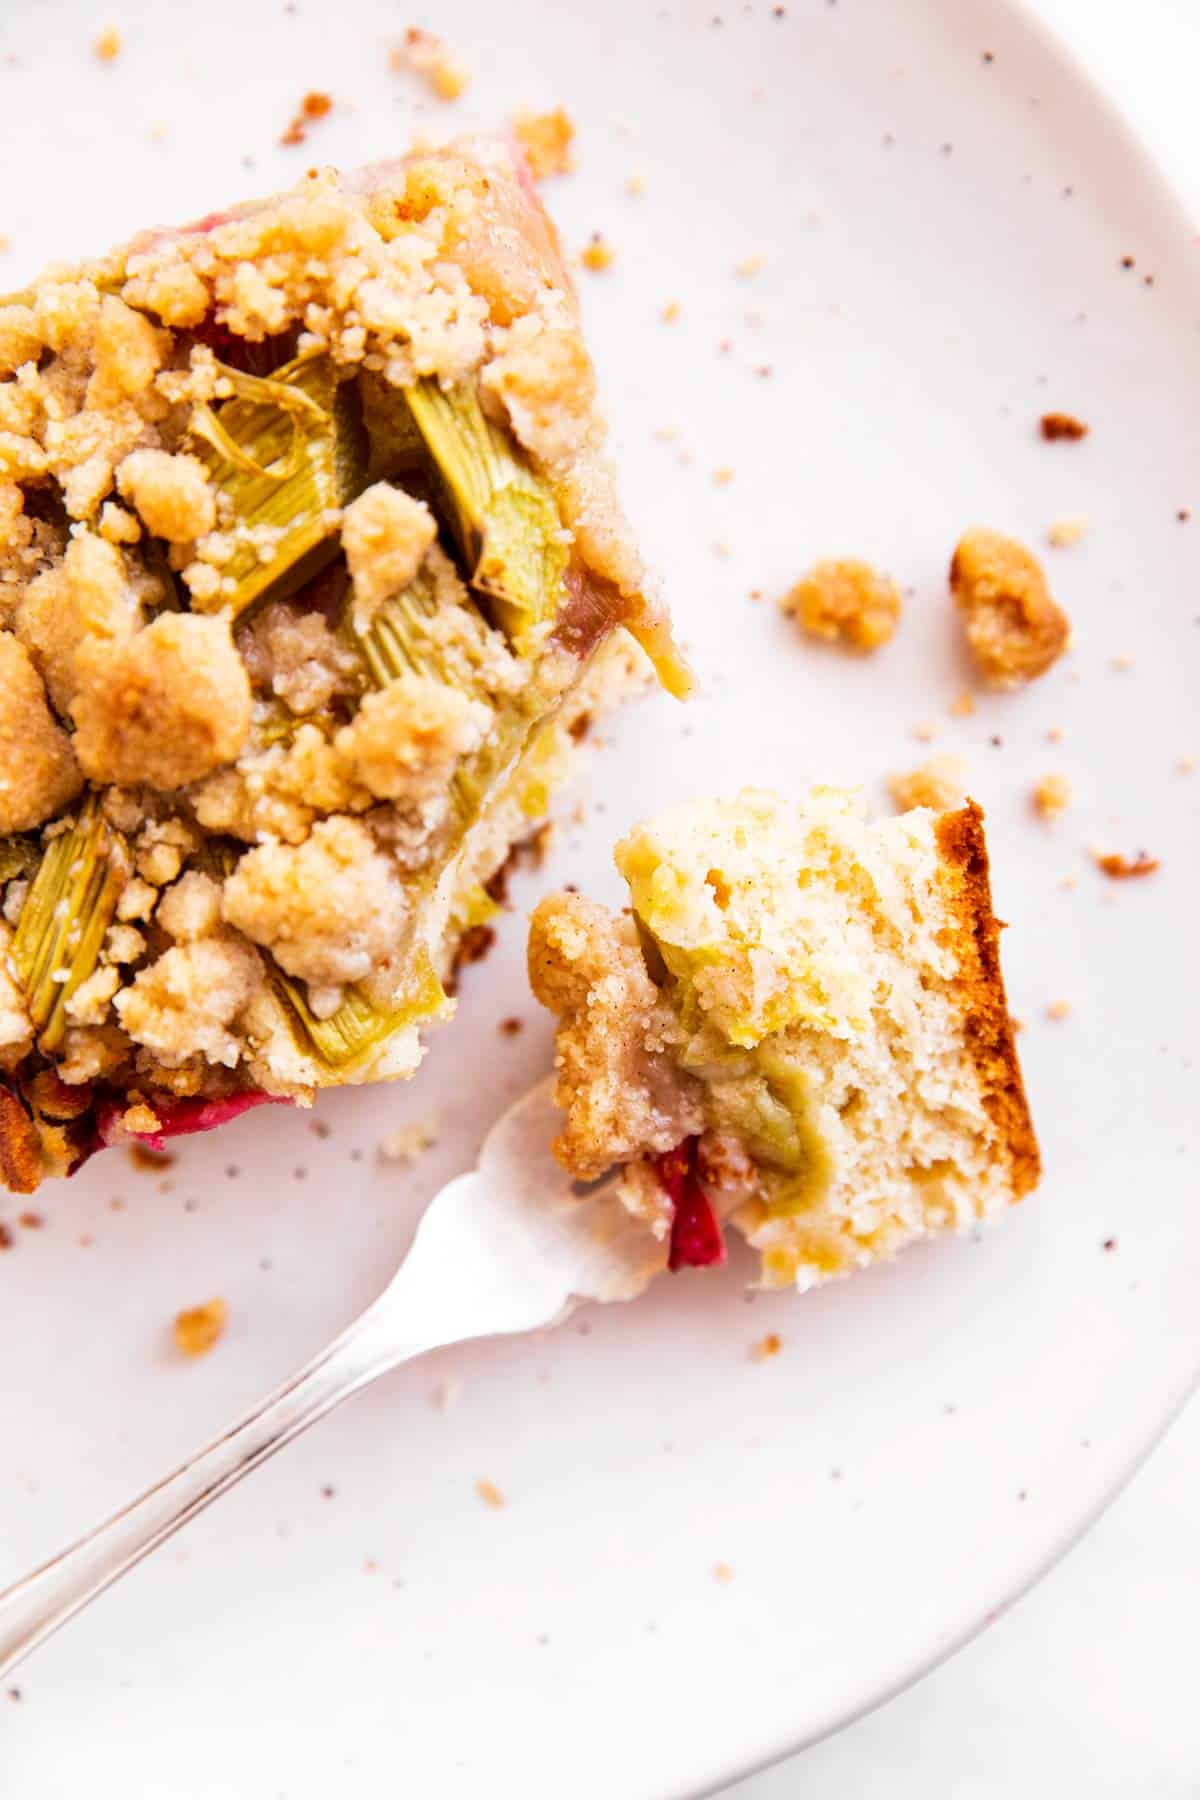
1051 796
847 602
597 254
1015 629
39 775
441 68
197 1328
545 138
939 784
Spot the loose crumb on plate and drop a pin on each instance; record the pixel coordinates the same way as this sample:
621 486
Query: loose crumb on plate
750 265
962 706
1061 534
1122 868
597 254
926 730
1058 1010
1014 627
845 601
489 1493
766 1347
1051 796
314 106
671 312
407 1142
1123 663
940 784
722 1572
106 46
546 139
197 1328
441 69
447 1394
1058 425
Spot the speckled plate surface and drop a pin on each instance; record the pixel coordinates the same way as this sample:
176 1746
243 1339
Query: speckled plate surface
956 236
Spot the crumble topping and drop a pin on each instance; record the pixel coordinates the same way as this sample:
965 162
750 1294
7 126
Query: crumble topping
39 775
198 1328
385 534
940 784
1015 629
443 71
846 602
328 909
546 139
1051 796
1056 425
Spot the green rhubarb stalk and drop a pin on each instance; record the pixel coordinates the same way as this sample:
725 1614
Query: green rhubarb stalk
286 451
359 1027
70 905
504 515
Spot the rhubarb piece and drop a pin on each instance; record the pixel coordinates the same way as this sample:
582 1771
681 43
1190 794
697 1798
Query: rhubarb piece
504 515
802 1029
696 1238
284 451
71 902
310 569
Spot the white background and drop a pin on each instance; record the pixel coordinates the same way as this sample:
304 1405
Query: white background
1088 1688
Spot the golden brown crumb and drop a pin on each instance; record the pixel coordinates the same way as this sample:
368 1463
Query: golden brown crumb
597 254
1015 629
847 602
926 731
1123 663
30 1221
1123 868
1055 734
168 707
671 312
722 1572
1063 533
489 1493
1058 1010
635 186
107 45
545 138
1055 425
385 534
1186 765
171 493
938 784
327 909
38 772
722 477
197 1328
750 265
407 1142
962 706
1051 796
314 106
766 1347
511 1027
443 71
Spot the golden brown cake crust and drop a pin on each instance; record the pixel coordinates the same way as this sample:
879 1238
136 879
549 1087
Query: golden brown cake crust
988 1027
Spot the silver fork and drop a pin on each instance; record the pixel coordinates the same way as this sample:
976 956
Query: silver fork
506 1248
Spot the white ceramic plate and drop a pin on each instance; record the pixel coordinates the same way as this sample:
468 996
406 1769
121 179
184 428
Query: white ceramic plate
945 209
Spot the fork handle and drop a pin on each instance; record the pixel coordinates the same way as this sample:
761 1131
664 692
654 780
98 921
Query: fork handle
35 1607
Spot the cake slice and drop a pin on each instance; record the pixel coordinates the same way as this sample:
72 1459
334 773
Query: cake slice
310 571
800 1026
